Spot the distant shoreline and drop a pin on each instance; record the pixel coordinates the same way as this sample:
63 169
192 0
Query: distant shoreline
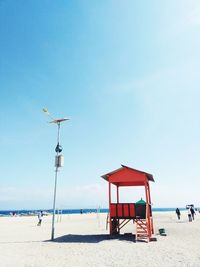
69 211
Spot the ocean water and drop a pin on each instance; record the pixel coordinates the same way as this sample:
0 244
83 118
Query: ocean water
69 211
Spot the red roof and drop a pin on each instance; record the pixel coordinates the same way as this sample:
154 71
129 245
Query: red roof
126 176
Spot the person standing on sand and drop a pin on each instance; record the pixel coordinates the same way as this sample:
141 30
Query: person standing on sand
192 212
178 213
40 214
189 215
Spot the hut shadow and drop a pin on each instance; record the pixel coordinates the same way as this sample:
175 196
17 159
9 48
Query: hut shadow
72 238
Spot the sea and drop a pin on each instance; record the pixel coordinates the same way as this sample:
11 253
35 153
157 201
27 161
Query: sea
68 211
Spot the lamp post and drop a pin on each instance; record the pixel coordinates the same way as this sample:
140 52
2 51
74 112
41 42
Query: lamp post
59 162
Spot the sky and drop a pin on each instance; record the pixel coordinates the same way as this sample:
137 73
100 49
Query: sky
126 73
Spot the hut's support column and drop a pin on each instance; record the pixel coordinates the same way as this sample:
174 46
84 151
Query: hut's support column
118 221
109 193
150 210
117 194
147 210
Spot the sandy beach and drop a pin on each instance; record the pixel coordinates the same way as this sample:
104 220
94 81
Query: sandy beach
82 240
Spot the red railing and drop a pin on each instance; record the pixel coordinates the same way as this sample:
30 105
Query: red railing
129 210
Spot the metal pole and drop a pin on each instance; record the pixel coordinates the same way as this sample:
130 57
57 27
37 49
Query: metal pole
57 165
54 205
55 186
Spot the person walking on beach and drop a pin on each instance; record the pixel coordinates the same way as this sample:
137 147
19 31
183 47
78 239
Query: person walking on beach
40 214
178 213
189 215
192 212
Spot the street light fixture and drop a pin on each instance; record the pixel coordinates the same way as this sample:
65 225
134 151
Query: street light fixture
59 162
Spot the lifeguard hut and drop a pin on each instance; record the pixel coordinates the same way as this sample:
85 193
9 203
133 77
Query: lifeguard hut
122 213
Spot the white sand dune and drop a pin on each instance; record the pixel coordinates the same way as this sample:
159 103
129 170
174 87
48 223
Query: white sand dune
82 240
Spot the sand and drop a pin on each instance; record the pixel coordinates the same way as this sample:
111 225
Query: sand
82 240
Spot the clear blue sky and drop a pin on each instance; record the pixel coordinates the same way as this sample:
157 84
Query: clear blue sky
125 72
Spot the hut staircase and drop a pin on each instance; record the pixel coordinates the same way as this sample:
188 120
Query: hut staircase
142 233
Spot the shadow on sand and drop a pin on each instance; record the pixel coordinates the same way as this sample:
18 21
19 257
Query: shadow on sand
93 238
